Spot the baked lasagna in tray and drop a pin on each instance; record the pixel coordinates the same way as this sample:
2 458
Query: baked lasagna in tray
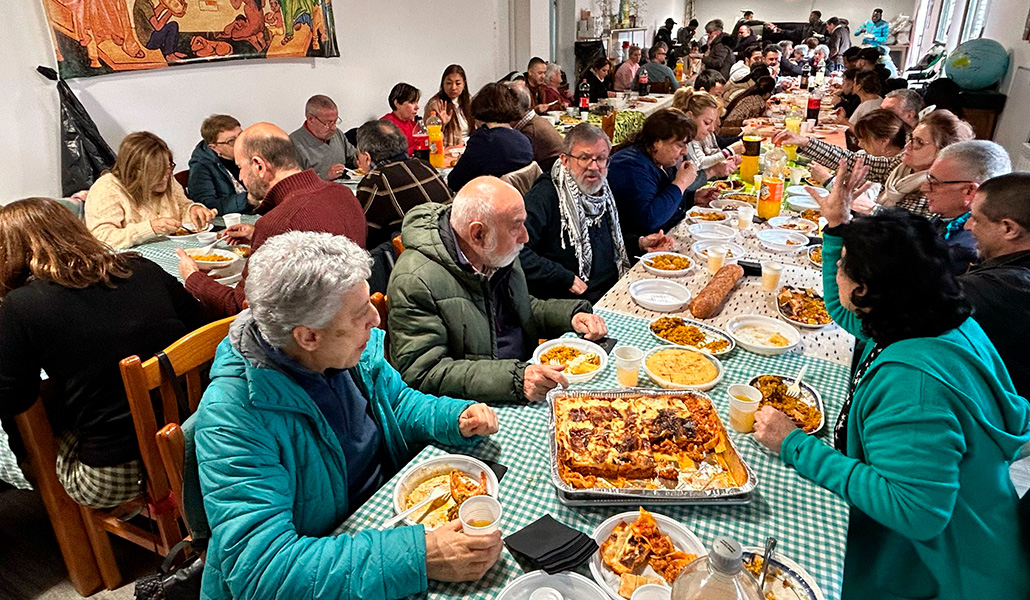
640 440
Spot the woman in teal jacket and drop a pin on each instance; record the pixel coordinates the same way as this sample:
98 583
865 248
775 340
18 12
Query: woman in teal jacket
274 460
924 440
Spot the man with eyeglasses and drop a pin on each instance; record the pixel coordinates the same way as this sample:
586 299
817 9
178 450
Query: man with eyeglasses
656 69
950 188
320 143
214 177
719 49
576 247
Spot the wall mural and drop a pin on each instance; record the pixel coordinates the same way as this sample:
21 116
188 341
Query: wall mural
97 37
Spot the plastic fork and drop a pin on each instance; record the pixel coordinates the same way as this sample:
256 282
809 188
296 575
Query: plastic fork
794 389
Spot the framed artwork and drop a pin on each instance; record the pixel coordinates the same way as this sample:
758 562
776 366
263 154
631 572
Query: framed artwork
97 37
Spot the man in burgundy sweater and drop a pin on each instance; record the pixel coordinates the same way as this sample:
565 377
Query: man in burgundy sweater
291 200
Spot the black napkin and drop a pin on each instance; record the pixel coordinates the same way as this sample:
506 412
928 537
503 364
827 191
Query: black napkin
549 545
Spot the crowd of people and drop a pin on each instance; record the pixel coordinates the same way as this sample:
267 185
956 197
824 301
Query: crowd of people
309 411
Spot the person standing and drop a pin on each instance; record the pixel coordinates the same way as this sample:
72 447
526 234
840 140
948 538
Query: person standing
874 31
838 41
719 51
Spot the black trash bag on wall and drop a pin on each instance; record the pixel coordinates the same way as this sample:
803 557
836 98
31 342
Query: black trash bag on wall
84 153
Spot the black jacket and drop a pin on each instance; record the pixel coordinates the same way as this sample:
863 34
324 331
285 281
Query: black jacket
999 290
211 183
720 55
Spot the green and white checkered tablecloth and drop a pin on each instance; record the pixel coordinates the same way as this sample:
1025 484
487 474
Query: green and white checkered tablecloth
809 522
162 250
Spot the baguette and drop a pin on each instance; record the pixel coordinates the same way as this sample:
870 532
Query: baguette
710 300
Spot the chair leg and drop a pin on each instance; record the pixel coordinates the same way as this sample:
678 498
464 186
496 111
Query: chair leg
101 543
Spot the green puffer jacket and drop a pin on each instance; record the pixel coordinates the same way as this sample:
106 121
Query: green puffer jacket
442 334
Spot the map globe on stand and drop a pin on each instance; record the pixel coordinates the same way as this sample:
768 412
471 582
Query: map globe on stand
977 64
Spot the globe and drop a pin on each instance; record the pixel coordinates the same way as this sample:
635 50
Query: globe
977 64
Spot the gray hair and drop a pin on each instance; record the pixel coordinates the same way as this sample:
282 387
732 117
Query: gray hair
522 93
784 44
474 202
980 160
553 68
714 25
318 103
910 99
382 140
584 133
299 278
824 49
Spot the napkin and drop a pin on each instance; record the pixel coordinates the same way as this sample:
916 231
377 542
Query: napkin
549 545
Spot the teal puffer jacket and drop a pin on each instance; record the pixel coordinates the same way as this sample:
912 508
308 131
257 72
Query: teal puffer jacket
274 479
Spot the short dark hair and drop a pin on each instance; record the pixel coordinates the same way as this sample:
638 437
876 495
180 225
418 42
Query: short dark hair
851 52
708 79
912 295
536 60
403 92
869 82
878 10
664 124
833 21
869 55
382 140
692 23
851 74
817 14
495 103
216 124
1005 198
771 48
749 12
758 71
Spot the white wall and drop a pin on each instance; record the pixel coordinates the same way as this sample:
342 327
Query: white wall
1005 22
381 42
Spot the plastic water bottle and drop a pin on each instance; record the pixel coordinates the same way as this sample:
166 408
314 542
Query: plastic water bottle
718 576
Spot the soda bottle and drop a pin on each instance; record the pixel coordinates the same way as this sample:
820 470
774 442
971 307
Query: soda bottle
435 129
584 95
679 69
806 70
815 99
420 139
642 86
625 51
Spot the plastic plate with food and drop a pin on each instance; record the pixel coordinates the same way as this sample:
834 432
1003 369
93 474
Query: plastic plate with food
662 295
583 359
692 334
734 252
707 215
569 586
188 233
465 477
711 231
763 335
743 197
213 259
789 223
678 368
728 185
729 204
807 412
802 307
780 240
667 264
786 580
815 255
640 547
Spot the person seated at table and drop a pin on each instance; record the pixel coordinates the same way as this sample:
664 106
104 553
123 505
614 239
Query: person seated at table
950 186
742 68
771 57
879 133
652 178
556 90
71 307
850 57
713 155
902 175
595 75
923 442
461 320
626 74
394 183
734 89
303 421
869 59
788 65
404 102
494 148
750 104
575 247
819 60
905 103
718 48
320 143
745 39
847 100
710 81
656 69
214 177
867 88
999 286
138 199
289 198
453 105
544 137
536 73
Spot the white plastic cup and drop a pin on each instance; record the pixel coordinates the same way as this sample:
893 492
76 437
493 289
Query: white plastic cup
795 175
232 219
809 125
572 111
480 515
744 401
207 237
745 214
716 258
627 365
771 273
652 591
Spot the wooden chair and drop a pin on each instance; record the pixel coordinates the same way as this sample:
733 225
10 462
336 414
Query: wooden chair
398 245
661 87
380 303
188 356
183 177
171 445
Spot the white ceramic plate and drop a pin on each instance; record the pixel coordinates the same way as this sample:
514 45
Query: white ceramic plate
799 190
711 231
700 249
572 586
787 223
694 215
682 538
804 202
207 265
777 240
740 326
809 395
661 295
440 465
191 237
783 315
665 383
791 572
645 260
711 334
579 344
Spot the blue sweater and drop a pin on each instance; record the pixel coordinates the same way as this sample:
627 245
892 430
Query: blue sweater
211 183
491 151
644 194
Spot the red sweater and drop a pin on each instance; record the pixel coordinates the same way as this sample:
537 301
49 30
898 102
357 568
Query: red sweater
406 127
301 202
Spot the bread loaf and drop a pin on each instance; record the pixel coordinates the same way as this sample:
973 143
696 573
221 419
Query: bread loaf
710 300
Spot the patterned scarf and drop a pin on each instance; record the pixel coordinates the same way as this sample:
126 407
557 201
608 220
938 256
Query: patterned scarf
579 212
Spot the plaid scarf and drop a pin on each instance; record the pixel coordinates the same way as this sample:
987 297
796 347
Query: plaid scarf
579 212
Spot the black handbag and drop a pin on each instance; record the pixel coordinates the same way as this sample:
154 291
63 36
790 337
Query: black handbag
171 582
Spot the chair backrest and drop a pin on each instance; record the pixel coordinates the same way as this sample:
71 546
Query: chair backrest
398 245
183 177
661 87
523 178
171 445
380 303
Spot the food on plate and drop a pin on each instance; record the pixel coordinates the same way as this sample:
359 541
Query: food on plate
462 487
811 214
212 258
824 129
764 336
628 583
647 99
777 585
774 394
242 250
804 306
740 197
575 360
813 182
793 225
569 120
728 185
711 298
678 331
729 253
791 242
682 367
669 262
182 231
632 545
815 253
660 441
707 216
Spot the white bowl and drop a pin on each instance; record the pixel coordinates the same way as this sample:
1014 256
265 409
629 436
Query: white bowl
652 591
800 203
572 586
206 265
579 344
738 328
799 190
701 248
786 222
207 237
808 253
661 295
665 383
663 272
777 240
711 232
440 465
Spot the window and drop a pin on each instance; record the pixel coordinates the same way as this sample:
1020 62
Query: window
976 16
944 21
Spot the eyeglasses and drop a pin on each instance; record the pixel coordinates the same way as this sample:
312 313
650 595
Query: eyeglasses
329 124
171 165
916 143
931 181
229 142
586 160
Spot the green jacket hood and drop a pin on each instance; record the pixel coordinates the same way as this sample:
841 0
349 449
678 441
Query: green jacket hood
427 229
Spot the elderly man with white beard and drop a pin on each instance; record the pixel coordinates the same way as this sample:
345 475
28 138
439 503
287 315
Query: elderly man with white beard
575 247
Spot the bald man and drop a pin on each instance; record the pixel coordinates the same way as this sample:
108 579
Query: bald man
461 321
289 198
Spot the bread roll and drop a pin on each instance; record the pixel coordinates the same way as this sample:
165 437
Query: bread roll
710 300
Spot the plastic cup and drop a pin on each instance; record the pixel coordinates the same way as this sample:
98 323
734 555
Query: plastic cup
771 273
745 214
744 401
796 173
232 219
207 237
716 258
480 515
627 365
